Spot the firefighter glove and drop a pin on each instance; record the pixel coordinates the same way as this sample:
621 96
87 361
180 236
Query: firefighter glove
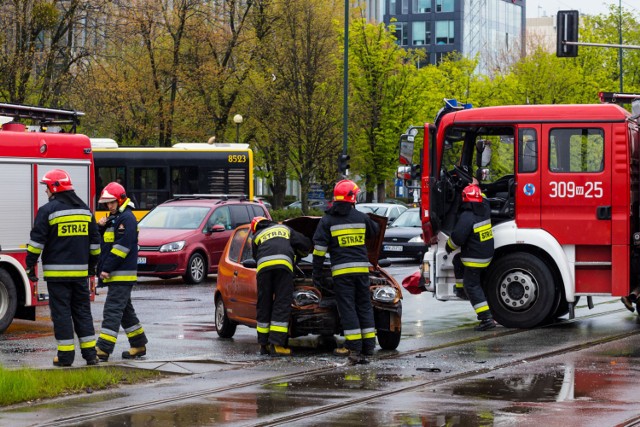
448 248
31 274
317 281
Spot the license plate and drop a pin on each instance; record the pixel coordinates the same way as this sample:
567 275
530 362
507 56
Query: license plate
142 260
389 248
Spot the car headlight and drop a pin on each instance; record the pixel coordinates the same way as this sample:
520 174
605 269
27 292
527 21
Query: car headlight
173 246
302 298
417 239
384 294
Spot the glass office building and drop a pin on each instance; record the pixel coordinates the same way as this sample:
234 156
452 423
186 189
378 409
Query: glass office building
492 29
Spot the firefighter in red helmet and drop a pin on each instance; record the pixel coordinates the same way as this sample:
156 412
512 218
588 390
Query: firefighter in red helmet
118 269
473 235
66 234
275 247
342 232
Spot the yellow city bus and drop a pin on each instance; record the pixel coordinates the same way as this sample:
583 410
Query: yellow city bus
152 175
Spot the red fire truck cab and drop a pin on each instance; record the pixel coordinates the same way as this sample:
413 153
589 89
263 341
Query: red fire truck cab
563 184
25 156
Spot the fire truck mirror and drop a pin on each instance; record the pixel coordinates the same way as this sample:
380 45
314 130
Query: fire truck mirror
483 153
406 149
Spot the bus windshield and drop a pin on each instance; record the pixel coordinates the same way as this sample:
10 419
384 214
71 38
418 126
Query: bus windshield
152 175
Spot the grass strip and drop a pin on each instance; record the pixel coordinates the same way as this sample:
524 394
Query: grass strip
23 385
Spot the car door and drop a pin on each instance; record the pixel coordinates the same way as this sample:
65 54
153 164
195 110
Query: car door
217 240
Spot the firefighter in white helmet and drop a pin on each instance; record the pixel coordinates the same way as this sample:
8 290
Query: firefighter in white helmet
66 234
118 269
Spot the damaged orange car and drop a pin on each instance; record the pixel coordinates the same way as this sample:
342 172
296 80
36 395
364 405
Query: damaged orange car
314 309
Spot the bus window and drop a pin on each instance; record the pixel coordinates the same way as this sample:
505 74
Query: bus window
151 185
184 180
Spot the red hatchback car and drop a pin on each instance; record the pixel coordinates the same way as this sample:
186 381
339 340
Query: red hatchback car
314 310
185 236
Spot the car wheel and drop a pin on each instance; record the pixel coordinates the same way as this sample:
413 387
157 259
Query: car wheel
8 300
225 327
389 340
196 269
520 290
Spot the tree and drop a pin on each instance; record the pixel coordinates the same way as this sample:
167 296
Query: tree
384 95
295 94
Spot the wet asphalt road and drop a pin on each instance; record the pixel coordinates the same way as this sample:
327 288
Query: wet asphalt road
579 372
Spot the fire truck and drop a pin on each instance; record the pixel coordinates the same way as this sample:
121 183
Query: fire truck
563 185
26 154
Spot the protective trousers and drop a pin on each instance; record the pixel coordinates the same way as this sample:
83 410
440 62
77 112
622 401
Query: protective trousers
69 302
275 293
118 311
458 271
356 313
473 287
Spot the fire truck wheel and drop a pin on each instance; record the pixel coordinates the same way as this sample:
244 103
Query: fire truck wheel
225 327
8 300
520 290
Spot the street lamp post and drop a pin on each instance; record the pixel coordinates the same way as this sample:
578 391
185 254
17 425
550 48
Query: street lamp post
237 119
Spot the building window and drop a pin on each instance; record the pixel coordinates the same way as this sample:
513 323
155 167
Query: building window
392 7
445 32
421 6
444 5
401 33
420 34
405 7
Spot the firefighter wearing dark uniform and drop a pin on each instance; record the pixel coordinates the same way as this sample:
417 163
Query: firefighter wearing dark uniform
342 232
274 247
66 234
474 236
118 269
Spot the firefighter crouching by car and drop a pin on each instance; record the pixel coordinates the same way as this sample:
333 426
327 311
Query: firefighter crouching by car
66 234
274 249
342 232
473 234
118 269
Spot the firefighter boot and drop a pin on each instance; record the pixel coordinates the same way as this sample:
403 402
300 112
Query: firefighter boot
93 362
264 350
341 352
627 303
485 325
134 352
57 362
357 358
279 351
102 355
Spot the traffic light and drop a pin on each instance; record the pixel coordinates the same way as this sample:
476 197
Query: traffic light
343 162
416 171
567 27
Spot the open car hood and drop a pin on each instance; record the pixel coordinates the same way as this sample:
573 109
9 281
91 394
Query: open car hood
307 225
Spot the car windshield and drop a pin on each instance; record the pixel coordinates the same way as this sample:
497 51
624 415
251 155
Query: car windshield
408 218
174 217
365 209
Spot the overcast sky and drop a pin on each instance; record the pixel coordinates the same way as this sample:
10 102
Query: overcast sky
536 8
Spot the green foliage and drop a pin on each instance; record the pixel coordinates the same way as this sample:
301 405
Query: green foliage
282 214
29 384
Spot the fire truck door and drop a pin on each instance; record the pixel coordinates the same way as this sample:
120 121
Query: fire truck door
576 184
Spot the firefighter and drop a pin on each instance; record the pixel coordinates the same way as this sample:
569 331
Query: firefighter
474 236
342 233
66 234
118 269
274 249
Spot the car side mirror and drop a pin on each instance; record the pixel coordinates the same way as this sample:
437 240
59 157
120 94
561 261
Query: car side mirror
216 228
384 262
249 263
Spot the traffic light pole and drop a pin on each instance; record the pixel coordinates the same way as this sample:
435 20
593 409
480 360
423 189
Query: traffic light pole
622 46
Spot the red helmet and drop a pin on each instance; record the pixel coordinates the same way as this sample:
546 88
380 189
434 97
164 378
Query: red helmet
255 221
472 193
345 191
57 180
113 192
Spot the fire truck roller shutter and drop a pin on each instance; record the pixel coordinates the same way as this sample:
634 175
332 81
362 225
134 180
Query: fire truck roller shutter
17 184
80 176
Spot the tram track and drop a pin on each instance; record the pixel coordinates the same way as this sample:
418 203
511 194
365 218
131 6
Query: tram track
353 402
